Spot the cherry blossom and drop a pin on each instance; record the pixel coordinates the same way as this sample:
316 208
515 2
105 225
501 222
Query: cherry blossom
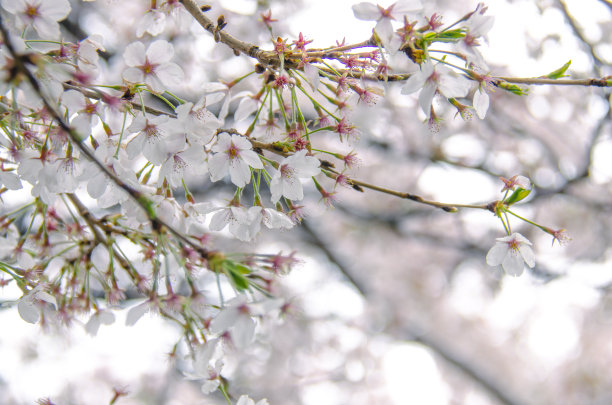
28 305
99 318
181 162
286 180
152 66
236 217
236 318
234 155
154 140
87 112
271 218
42 15
512 252
431 79
199 123
384 16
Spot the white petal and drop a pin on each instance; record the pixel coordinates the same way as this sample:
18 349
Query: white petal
406 6
134 54
135 313
246 107
481 103
27 310
454 86
513 263
426 97
243 331
224 320
366 11
170 74
218 166
496 254
240 173
251 158
220 219
160 51
528 255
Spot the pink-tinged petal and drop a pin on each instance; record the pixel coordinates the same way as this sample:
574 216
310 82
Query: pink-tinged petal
251 158
133 75
218 166
170 74
528 255
496 254
160 52
513 263
481 103
134 54
366 11
426 97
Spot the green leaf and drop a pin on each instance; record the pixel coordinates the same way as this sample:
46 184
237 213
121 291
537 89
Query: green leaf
235 272
518 195
512 88
556 74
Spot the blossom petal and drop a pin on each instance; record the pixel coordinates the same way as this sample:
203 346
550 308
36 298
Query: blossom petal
366 11
513 263
496 254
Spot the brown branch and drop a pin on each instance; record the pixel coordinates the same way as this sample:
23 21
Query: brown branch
603 82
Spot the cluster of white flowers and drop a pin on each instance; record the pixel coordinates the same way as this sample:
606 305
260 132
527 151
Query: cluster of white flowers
434 78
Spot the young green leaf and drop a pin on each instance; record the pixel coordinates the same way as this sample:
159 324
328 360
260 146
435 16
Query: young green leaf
559 73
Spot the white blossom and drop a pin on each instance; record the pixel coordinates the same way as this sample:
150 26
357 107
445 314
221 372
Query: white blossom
512 252
199 123
28 305
286 180
431 79
42 15
233 155
383 17
152 66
